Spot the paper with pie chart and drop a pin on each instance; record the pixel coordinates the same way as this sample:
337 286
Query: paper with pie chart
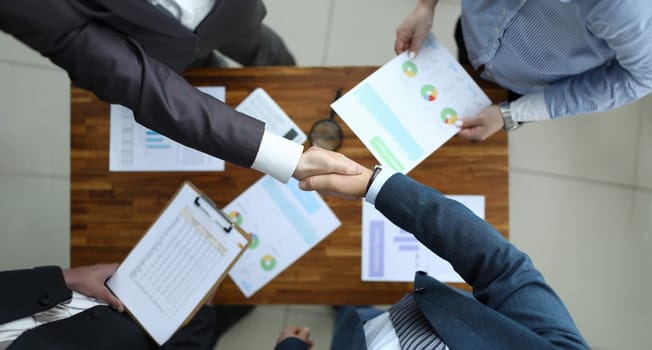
407 108
283 222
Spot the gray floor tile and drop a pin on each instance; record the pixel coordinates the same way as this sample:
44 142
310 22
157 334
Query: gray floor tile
304 27
35 127
579 235
318 318
356 42
258 330
640 221
34 221
644 174
17 52
599 147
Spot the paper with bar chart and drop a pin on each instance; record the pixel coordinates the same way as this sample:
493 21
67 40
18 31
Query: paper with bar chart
390 254
284 223
407 109
133 147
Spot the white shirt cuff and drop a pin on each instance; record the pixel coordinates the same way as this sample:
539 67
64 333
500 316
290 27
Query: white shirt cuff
277 156
378 183
530 108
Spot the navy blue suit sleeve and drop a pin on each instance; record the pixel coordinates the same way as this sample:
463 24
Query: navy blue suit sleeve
26 292
115 67
291 344
502 277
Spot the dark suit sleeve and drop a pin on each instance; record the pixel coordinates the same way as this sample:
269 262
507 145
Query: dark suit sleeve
502 277
291 344
117 70
26 292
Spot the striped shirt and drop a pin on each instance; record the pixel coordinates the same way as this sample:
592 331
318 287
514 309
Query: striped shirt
581 56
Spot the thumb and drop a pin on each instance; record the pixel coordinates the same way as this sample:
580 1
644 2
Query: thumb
109 298
304 332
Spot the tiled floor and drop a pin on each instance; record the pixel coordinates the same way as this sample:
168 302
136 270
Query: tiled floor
580 189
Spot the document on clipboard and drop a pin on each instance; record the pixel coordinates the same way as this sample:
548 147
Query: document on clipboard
178 263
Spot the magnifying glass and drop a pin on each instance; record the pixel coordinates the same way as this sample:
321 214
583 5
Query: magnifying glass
326 133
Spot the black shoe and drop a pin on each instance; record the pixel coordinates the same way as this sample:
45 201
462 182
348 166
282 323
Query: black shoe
228 315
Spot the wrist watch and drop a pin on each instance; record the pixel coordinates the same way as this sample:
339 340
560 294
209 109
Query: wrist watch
377 169
506 112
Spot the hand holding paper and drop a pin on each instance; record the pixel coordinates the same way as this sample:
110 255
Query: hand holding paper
414 29
408 108
482 125
89 280
178 263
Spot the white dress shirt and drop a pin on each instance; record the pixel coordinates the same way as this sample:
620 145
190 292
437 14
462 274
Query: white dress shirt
11 330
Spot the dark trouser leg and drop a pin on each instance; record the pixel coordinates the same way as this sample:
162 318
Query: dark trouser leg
200 333
261 47
462 55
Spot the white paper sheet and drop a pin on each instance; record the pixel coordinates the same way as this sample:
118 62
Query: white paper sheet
284 223
407 109
391 254
262 107
175 264
134 147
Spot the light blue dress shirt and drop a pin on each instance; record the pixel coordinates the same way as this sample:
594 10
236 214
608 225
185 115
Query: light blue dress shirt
582 55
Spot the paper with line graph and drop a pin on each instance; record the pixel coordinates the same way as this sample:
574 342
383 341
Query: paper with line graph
390 254
133 147
407 109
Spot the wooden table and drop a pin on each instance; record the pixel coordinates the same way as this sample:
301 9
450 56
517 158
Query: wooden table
111 210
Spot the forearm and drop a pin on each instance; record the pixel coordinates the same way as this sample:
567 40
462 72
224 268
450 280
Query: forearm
119 71
625 30
530 108
597 90
428 4
502 277
452 231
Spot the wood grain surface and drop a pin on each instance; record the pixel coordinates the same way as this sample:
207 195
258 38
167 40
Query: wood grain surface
110 211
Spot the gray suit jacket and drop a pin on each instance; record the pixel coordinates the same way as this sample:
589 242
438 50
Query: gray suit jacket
130 53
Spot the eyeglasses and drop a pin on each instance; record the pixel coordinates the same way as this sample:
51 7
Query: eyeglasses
326 133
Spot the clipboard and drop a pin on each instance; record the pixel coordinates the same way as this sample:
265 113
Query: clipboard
178 263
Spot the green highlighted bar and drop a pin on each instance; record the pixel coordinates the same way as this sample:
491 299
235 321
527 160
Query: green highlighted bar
388 157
